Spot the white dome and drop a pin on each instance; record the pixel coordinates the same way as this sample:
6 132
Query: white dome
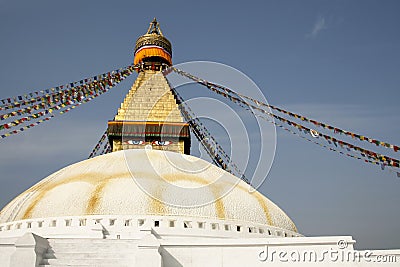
145 182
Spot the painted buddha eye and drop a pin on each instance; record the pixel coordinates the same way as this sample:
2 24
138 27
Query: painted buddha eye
134 142
162 143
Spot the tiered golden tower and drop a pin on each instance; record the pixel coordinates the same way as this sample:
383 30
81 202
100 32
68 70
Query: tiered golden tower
149 116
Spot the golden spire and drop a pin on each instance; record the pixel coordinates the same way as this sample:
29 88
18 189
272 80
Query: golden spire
154 28
149 114
153 46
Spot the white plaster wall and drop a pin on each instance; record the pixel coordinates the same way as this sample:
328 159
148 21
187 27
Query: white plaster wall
209 251
7 248
129 226
246 252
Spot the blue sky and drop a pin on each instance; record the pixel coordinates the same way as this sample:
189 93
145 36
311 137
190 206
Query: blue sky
334 61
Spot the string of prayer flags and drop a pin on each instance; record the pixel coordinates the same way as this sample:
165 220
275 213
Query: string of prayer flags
17 99
211 146
98 88
99 145
336 130
367 155
59 93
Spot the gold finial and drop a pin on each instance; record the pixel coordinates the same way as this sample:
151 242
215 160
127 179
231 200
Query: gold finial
154 28
153 45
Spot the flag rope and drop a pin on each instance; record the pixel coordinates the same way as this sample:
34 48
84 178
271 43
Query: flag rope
257 105
19 100
336 130
102 86
103 142
211 146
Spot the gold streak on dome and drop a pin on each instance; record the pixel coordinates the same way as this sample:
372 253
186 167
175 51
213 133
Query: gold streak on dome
153 45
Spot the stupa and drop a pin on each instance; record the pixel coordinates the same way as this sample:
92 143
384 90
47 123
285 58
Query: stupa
149 202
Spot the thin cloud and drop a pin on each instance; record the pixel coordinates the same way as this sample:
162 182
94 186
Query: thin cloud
319 25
